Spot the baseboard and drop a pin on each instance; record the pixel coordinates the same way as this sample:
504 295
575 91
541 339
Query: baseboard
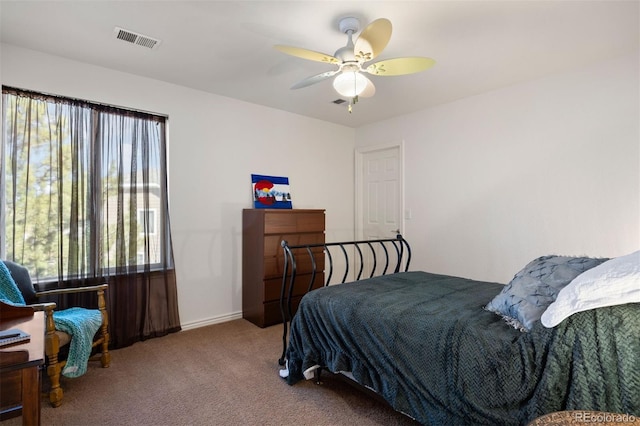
211 321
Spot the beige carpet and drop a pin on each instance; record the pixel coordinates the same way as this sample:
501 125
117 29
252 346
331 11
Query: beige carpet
224 374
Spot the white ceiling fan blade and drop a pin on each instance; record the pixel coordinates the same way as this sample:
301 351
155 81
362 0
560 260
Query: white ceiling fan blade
373 40
307 54
369 89
400 66
314 79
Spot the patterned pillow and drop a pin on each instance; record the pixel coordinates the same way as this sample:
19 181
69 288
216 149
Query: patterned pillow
615 282
522 301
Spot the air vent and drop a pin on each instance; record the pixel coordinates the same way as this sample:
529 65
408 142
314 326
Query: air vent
136 38
338 101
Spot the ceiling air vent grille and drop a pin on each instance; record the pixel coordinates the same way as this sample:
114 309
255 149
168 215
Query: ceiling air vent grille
136 38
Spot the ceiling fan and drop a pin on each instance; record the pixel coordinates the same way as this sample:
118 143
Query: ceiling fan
352 59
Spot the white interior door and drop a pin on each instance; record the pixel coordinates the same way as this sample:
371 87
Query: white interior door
379 191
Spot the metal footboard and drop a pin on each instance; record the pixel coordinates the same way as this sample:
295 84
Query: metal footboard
369 258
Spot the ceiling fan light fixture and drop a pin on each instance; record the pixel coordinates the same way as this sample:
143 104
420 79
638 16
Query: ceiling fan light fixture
352 60
350 83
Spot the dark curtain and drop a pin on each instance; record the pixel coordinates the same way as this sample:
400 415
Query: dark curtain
84 193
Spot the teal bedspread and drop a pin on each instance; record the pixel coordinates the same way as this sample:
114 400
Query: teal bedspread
424 342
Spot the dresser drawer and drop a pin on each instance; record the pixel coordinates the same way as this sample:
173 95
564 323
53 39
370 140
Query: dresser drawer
273 287
273 243
274 266
277 222
274 253
273 315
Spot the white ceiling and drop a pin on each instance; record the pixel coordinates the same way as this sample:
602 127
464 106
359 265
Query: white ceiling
226 47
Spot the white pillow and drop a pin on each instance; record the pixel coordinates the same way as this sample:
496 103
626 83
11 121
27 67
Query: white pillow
614 282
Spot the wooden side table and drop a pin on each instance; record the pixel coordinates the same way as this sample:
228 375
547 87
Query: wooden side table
20 369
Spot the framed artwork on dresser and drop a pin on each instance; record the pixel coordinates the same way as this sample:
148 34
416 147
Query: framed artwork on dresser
271 192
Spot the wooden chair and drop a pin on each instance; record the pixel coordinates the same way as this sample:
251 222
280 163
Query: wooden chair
56 339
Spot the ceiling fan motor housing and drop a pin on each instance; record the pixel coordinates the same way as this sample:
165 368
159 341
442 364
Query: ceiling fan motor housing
349 24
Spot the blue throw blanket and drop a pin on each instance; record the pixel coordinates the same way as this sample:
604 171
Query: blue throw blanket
80 323
9 291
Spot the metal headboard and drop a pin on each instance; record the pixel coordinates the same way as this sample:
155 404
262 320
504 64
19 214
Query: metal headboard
394 256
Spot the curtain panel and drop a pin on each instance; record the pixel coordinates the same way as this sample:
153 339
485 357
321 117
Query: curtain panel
83 197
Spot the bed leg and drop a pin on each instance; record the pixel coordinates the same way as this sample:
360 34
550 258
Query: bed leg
281 361
316 376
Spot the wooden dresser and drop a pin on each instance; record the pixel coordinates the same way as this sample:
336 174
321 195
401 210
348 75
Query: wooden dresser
262 258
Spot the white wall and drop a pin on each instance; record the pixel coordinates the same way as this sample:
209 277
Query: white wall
215 143
546 167
549 166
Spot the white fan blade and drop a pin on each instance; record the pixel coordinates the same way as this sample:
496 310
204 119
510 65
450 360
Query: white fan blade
400 66
307 54
369 89
373 40
314 79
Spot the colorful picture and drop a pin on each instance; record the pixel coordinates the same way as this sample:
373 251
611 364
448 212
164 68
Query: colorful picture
271 192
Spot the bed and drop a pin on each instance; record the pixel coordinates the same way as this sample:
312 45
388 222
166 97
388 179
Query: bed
451 350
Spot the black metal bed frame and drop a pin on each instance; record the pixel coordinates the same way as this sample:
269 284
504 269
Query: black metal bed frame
397 245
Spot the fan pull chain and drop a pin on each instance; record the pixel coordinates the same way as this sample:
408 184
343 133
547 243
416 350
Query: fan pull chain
353 101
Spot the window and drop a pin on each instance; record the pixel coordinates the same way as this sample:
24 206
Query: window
82 187
147 221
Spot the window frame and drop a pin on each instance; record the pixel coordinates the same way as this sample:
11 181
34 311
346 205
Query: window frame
158 230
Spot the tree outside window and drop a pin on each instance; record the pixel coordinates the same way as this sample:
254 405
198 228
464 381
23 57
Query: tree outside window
82 187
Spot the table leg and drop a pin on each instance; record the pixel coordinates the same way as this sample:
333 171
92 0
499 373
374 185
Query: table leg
31 396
